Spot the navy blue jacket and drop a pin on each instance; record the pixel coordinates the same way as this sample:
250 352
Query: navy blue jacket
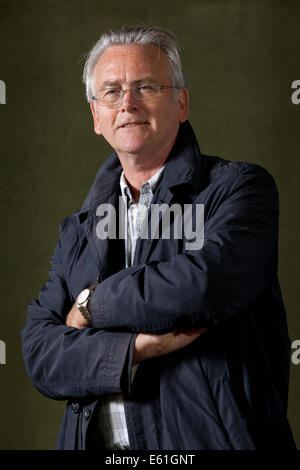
229 388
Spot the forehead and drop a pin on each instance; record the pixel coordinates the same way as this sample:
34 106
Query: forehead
132 62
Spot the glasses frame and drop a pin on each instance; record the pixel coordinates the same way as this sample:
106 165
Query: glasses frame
132 89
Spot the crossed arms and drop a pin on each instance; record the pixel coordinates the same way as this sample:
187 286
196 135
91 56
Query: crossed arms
130 309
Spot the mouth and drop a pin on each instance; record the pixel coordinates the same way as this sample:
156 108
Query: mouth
134 124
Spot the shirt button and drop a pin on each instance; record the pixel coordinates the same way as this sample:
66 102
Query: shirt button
87 414
75 407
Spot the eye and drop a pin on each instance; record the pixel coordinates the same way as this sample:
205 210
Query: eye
145 90
146 87
111 92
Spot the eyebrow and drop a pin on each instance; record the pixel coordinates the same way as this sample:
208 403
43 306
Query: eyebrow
135 82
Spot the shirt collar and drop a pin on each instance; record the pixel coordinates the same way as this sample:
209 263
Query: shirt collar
149 185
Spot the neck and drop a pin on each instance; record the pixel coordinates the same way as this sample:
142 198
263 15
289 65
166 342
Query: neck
138 169
136 176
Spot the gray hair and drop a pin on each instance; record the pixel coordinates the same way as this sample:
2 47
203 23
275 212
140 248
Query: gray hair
141 35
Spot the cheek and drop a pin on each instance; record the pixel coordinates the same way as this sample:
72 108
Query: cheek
104 124
169 111
168 116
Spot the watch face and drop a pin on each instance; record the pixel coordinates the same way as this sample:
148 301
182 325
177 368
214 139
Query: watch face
83 296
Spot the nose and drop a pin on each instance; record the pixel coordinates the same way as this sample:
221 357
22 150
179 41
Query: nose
129 103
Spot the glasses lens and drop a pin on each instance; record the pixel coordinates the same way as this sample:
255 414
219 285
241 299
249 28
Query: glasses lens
113 96
109 95
145 91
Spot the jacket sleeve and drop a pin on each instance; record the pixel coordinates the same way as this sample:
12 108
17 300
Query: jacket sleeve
65 362
202 287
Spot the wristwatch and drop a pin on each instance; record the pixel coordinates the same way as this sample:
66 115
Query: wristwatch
83 300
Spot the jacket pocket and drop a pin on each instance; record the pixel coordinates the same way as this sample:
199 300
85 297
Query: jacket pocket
231 417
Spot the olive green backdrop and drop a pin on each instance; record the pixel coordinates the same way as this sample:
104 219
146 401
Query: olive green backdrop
240 58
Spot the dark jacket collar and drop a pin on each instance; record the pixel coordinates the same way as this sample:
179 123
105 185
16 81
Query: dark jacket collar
183 166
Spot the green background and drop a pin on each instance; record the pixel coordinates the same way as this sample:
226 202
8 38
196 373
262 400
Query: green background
240 58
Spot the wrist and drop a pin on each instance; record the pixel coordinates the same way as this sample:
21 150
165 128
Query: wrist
83 301
136 354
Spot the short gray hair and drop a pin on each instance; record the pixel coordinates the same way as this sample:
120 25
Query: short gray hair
142 35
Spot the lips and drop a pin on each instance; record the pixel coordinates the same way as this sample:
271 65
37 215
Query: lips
133 124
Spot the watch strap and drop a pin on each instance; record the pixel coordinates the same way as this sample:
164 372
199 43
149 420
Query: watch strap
83 309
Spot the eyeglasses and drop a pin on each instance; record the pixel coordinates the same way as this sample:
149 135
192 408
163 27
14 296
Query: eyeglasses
113 96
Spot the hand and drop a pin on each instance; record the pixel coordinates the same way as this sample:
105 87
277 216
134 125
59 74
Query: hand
76 319
148 345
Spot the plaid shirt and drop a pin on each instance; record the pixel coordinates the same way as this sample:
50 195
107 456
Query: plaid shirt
111 419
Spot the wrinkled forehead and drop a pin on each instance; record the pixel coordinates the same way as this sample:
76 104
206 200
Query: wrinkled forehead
131 63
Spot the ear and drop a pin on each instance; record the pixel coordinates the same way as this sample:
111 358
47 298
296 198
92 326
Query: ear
183 104
95 113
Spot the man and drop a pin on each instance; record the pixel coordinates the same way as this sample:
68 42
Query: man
157 344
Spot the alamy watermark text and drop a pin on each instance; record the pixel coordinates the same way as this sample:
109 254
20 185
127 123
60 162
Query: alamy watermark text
2 352
296 352
295 97
186 222
2 92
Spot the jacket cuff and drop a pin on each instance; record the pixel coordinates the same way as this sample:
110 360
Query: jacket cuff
98 321
119 362
98 308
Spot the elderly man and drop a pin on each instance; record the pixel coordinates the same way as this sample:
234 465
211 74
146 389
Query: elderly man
156 344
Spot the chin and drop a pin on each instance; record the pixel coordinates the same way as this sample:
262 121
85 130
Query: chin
134 147
132 151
